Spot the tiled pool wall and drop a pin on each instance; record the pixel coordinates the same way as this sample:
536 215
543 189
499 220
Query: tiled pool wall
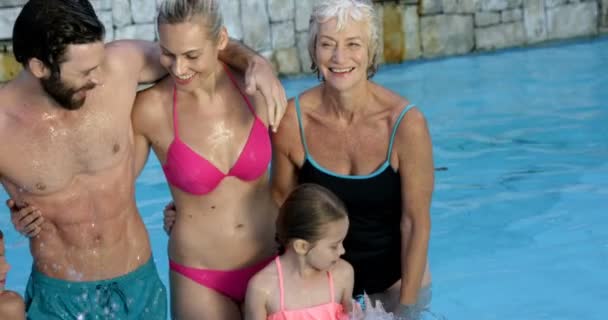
410 29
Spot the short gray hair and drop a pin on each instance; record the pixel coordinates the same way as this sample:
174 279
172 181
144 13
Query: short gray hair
343 10
178 11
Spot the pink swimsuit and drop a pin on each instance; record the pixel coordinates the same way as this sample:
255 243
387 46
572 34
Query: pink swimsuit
190 172
187 170
326 311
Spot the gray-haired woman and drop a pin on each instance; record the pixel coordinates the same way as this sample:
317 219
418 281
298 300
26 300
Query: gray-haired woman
369 146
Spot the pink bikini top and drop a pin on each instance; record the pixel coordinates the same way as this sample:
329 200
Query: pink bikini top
326 311
192 173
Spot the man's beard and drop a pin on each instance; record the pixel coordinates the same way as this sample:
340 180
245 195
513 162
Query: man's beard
62 93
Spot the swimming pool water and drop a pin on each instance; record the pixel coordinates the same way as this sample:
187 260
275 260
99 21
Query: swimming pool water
520 210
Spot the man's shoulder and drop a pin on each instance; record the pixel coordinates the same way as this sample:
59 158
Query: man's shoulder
150 107
120 55
155 95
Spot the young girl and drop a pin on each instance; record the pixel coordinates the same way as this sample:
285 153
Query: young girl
309 281
11 303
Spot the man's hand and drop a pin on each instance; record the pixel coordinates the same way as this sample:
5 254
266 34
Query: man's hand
169 215
259 76
26 219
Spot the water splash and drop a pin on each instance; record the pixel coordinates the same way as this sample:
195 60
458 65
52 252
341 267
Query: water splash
375 311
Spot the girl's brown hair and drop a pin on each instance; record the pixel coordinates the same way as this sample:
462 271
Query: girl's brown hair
307 209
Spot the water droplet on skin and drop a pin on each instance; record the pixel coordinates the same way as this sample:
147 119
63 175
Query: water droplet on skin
36 163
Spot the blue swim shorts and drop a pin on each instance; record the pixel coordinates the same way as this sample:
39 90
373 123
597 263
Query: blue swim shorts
137 295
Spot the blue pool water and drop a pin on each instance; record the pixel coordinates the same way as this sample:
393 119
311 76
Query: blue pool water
520 215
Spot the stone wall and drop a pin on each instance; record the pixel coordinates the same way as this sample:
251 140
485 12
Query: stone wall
411 29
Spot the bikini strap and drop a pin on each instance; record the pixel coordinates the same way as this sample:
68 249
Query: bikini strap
175 131
401 115
235 83
331 286
280 272
299 116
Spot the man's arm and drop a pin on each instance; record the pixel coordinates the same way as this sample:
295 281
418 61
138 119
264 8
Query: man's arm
258 76
144 118
141 57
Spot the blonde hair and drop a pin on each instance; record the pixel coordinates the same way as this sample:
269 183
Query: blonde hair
177 11
343 10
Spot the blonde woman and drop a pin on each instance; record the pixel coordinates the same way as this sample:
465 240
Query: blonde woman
214 146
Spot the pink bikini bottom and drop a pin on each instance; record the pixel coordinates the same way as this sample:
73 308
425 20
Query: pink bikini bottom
232 283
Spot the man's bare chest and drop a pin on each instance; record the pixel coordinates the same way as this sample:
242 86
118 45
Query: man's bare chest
46 158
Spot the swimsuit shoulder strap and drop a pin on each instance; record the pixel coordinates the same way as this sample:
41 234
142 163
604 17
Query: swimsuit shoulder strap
401 115
331 286
281 288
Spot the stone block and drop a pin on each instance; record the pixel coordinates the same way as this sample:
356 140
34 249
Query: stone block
460 6
7 20
428 7
12 3
100 5
302 13
380 16
511 15
604 13
498 5
302 46
500 36
256 27
281 10
392 33
137 31
411 32
287 61
231 12
486 18
446 35
283 34
106 19
144 11
535 21
554 3
572 20
121 13
9 67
